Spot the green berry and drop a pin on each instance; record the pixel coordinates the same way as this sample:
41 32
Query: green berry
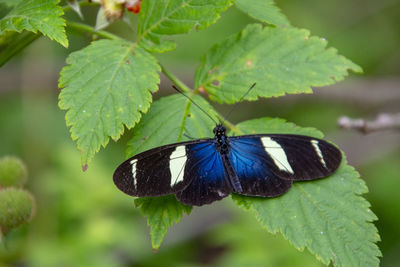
12 172
16 208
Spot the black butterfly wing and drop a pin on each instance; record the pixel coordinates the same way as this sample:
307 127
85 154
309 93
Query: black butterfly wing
209 181
257 173
192 170
310 158
266 165
155 172
196 172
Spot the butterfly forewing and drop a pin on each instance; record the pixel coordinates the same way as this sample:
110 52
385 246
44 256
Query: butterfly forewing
257 172
156 172
292 157
310 158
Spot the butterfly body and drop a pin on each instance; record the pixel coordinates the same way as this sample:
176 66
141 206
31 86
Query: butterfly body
201 171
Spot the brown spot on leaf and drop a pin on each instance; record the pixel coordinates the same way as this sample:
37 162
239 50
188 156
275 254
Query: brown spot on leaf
215 82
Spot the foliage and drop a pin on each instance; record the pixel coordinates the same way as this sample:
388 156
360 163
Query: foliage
107 86
9 3
36 15
317 214
161 213
250 245
160 18
168 120
263 10
280 60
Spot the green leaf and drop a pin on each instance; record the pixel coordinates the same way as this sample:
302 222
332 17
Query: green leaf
107 85
274 126
327 216
37 15
168 119
280 60
165 17
11 43
250 245
16 208
13 172
263 10
9 3
161 213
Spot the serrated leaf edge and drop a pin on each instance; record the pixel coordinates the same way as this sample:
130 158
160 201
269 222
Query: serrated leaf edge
60 13
85 156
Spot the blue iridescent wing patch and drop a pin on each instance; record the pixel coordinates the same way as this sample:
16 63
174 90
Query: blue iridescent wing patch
206 169
256 170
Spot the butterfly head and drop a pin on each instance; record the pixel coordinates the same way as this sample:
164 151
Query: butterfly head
219 131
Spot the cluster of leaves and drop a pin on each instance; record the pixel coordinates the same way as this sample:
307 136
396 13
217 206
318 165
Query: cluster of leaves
108 85
16 204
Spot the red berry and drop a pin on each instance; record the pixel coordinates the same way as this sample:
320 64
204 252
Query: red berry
133 6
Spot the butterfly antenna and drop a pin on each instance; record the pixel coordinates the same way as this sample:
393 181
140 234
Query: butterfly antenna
191 100
234 106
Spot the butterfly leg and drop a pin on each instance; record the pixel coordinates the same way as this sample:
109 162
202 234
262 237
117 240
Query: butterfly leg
188 136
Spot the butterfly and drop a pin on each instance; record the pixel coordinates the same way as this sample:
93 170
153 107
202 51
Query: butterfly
202 171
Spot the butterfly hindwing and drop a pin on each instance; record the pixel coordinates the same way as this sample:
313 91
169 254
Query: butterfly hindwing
209 179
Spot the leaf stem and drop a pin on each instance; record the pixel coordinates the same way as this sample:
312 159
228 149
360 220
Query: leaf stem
86 28
175 79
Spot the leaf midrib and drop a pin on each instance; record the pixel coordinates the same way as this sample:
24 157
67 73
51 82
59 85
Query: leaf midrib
106 94
148 30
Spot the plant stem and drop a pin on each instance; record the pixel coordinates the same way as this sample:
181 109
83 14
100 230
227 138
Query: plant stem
175 80
86 28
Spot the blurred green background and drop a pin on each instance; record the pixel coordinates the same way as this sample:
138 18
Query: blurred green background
82 219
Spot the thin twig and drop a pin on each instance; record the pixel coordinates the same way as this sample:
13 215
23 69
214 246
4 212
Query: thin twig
86 28
382 122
